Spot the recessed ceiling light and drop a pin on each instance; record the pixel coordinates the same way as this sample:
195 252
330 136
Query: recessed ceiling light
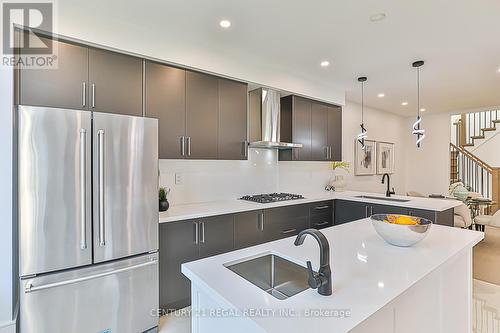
422 110
404 103
225 24
325 63
378 17
381 95
498 70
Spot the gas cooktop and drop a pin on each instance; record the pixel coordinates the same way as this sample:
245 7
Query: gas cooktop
271 197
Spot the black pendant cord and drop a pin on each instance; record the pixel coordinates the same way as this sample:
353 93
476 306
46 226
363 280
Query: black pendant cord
363 134
417 130
418 92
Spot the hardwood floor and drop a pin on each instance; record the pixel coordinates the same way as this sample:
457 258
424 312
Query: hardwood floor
487 257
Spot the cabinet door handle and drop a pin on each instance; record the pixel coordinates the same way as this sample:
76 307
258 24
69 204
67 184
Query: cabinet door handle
202 236
84 93
322 207
93 95
244 150
196 234
289 231
182 141
260 221
366 211
371 210
326 152
188 139
331 153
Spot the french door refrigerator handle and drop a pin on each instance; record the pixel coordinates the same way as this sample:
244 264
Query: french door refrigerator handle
100 136
83 188
30 288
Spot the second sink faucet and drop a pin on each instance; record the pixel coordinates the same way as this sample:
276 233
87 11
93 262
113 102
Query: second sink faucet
323 279
388 192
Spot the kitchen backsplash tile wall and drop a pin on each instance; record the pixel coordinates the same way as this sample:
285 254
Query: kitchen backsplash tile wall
202 181
209 180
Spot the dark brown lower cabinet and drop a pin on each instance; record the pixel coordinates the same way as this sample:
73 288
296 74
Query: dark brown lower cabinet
186 241
348 211
216 235
177 246
249 229
282 222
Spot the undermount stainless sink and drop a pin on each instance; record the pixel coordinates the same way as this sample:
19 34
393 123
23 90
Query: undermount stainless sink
275 275
381 198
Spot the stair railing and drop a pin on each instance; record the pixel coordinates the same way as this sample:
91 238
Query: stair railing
472 171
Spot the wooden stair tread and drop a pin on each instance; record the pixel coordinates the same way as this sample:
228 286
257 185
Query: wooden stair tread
475 137
468 145
488 129
496 121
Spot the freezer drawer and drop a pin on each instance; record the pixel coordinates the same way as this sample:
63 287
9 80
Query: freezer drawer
125 164
119 297
54 150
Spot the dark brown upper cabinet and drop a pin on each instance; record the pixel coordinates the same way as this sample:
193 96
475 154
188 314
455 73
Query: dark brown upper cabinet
202 106
62 87
165 97
316 125
301 129
232 135
200 116
115 81
319 132
335 132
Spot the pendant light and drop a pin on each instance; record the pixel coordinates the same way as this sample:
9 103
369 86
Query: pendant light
363 134
417 130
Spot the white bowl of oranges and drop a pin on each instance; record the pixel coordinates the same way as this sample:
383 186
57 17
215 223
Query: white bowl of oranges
401 230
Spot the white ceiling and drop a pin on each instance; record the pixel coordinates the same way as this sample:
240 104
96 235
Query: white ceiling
458 39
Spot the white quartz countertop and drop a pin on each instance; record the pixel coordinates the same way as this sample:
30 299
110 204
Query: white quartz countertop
367 274
213 208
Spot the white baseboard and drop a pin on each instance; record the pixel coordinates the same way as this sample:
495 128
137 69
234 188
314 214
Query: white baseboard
8 327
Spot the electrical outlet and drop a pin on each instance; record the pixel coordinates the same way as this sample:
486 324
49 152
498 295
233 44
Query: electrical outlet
178 179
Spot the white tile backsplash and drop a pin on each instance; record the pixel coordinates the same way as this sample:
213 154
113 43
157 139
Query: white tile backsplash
209 180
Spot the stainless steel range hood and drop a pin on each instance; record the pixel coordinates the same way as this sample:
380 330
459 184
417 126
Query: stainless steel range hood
264 106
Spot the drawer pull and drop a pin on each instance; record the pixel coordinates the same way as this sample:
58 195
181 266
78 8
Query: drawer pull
289 231
322 223
322 207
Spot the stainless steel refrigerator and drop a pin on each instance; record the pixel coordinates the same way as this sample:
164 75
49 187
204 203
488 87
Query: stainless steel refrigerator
88 221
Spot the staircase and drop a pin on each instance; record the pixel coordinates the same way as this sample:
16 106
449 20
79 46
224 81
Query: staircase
467 167
474 126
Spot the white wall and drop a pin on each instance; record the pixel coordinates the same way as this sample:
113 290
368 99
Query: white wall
428 167
6 246
219 180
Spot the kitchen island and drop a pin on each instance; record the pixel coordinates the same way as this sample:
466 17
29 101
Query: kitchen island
376 287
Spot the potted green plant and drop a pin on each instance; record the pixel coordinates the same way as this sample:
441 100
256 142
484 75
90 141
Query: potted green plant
163 193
